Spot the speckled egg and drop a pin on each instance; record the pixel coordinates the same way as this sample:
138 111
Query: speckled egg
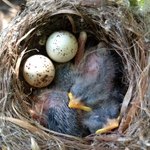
38 71
61 46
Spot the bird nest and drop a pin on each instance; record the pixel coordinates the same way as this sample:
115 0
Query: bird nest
112 24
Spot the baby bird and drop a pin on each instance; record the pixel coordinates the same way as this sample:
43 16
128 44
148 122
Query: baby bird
94 90
52 111
64 77
103 117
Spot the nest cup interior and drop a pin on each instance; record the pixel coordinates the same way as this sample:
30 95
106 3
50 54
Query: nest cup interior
74 23
104 25
36 43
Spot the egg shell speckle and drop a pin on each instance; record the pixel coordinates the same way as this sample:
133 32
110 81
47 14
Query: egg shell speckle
38 71
61 46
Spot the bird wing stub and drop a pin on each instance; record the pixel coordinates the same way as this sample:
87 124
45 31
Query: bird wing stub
76 104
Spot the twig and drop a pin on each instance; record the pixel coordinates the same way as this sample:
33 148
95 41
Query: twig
18 63
28 33
10 4
126 100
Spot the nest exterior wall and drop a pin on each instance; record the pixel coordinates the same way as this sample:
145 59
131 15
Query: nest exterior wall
119 29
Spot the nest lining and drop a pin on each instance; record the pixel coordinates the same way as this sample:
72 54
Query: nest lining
118 28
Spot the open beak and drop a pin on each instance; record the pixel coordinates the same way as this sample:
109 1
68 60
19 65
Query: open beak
75 103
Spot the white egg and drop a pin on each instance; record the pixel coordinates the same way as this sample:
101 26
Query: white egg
61 46
38 71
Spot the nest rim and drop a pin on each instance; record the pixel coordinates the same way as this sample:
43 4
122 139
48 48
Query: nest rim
14 56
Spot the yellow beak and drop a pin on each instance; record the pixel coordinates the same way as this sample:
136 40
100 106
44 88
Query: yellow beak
75 103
